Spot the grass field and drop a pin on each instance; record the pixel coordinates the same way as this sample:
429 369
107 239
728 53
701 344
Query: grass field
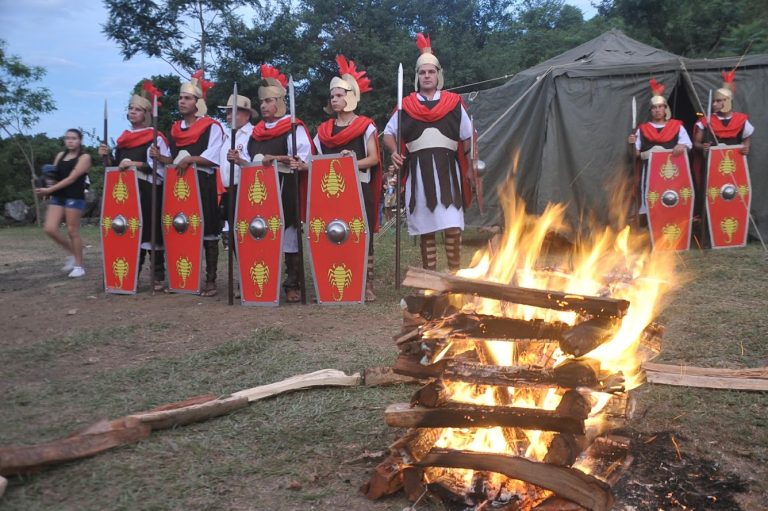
292 452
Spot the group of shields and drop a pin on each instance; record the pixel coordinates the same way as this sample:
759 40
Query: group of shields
335 230
670 198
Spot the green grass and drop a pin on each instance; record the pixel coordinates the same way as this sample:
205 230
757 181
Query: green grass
288 452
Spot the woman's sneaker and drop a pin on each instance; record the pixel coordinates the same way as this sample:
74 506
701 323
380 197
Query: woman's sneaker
77 272
69 264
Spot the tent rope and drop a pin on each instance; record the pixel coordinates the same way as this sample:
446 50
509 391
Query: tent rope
702 109
504 77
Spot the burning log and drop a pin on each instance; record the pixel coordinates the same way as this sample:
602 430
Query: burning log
492 327
569 483
588 335
402 415
587 305
576 373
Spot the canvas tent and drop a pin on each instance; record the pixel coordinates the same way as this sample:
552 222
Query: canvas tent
558 130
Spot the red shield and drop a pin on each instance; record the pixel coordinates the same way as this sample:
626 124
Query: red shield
259 229
182 221
669 196
337 230
121 224
729 194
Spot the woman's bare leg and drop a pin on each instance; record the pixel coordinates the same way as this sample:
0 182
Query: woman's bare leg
53 218
73 229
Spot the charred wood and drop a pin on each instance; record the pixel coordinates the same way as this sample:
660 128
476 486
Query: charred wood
587 305
569 483
587 335
402 415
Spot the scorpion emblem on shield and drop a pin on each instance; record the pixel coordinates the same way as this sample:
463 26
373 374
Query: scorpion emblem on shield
332 183
340 277
257 192
259 274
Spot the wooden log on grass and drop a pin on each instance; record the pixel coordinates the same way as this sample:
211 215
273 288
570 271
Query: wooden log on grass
180 416
441 282
89 441
572 484
755 379
321 378
403 415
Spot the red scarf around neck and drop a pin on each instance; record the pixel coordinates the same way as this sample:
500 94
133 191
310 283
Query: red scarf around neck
667 133
130 139
190 135
414 107
356 129
735 125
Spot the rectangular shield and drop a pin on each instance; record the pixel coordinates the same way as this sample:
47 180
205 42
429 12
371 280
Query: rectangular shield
121 224
182 221
729 195
669 198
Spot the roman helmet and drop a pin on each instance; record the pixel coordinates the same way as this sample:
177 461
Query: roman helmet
142 102
275 84
351 80
198 87
726 91
427 57
657 97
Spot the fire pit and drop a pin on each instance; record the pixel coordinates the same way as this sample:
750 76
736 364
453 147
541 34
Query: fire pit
526 361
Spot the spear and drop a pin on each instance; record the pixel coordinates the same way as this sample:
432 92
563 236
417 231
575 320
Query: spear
634 113
105 158
399 173
292 99
231 202
153 214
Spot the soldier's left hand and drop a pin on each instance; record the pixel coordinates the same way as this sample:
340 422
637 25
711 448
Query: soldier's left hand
678 150
745 150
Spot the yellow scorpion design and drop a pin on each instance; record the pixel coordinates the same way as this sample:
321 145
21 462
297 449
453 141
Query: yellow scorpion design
332 183
184 269
257 192
340 277
259 274
120 269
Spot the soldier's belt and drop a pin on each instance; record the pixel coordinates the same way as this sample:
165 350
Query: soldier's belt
431 138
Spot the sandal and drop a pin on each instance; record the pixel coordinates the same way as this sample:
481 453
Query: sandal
292 295
158 286
369 295
209 290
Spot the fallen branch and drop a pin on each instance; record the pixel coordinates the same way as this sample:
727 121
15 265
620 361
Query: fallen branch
321 378
169 418
569 483
441 282
92 440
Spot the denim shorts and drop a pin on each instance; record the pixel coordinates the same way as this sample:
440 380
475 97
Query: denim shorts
68 203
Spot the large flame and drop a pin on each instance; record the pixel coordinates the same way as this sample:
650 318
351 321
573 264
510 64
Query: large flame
608 263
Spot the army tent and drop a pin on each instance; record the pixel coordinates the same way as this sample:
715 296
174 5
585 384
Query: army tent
558 130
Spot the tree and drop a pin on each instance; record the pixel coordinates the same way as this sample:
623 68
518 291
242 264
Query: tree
21 105
183 33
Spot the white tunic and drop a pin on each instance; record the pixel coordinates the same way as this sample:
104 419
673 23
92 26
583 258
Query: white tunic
242 136
422 220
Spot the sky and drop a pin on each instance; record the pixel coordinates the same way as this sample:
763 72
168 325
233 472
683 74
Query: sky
83 67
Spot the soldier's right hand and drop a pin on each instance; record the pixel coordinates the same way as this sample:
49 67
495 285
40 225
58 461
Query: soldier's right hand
632 139
705 146
397 159
103 150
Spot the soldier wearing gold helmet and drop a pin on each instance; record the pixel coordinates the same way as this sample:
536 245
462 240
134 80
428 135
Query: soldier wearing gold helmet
661 131
730 128
133 150
349 133
436 131
270 141
197 139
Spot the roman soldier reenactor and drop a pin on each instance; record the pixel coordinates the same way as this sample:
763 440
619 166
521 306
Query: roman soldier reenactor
730 128
436 133
133 150
270 142
661 131
348 133
197 139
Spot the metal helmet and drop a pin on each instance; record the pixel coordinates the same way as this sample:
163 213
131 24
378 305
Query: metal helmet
427 57
657 97
351 80
275 85
140 101
726 91
198 87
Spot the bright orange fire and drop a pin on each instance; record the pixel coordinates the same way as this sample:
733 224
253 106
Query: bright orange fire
607 263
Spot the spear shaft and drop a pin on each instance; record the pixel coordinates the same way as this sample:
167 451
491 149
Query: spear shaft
231 203
299 237
105 158
153 214
398 205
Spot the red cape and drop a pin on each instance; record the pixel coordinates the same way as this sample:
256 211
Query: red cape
354 130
